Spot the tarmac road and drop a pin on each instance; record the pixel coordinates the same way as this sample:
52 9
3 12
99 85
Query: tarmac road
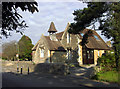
13 80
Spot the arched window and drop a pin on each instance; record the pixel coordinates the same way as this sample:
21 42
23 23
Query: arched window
68 37
41 52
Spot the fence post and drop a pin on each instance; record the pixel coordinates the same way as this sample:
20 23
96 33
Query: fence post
17 68
21 70
28 69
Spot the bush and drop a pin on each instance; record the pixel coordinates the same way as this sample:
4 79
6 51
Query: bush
96 77
107 62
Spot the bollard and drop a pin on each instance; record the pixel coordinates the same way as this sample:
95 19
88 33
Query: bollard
21 70
17 68
28 70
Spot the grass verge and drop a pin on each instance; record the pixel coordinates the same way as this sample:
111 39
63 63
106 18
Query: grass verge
108 76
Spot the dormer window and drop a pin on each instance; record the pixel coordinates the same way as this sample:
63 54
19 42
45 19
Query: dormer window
68 37
81 34
96 37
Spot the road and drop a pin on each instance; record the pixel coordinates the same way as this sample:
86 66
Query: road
13 80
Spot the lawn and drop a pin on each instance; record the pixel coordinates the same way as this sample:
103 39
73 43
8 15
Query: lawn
109 76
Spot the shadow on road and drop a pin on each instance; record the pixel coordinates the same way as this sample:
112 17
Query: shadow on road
39 79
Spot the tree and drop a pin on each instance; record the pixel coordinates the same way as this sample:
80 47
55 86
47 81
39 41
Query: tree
25 46
9 50
11 18
108 16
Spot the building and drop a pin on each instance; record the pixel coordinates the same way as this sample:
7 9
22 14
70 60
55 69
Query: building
62 46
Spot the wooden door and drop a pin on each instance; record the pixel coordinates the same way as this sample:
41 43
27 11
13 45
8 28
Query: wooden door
88 56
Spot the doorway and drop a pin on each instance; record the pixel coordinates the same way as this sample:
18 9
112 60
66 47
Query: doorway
88 55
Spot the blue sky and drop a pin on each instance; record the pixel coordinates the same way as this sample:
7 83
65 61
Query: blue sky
58 12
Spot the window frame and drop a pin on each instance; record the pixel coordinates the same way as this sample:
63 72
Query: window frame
68 38
42 52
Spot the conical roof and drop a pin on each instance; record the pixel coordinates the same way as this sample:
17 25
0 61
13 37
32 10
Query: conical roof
52 28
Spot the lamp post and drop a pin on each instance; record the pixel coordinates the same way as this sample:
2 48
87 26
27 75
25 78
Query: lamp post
17 48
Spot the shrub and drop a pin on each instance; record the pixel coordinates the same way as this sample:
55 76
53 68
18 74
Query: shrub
107 62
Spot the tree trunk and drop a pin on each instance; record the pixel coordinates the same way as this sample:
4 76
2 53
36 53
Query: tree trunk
117 58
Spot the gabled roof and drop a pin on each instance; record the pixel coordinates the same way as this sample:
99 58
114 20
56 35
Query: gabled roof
59 35
52 28
35 46
95 41
51 45
54 45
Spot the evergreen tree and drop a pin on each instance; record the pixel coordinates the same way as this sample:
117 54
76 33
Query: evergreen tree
108 15
25 46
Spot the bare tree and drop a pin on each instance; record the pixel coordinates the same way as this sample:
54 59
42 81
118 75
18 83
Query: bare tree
9 50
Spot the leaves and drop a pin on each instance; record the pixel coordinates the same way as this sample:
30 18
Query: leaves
25 45
107 61
107 14
85 37
11 19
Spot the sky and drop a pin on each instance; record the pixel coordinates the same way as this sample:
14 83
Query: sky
58 12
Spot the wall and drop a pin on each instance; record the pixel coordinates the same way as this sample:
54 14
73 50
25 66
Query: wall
11 66
96 55
101 52
73 41
80 59
58 56
54 68
36 53
73 44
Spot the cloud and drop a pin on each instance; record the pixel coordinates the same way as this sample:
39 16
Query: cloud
57 0
58 12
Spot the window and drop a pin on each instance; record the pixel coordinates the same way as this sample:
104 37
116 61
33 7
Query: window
81 34
90 54
69 55
41 52
98 53
68 37
96 37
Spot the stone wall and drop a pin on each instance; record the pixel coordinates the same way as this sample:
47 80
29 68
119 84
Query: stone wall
58 56
73 41
96 55
36 54
11 66
54 68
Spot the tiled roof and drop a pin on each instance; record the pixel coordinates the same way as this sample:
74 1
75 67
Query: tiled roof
54 45
95 41
52 28
59 35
